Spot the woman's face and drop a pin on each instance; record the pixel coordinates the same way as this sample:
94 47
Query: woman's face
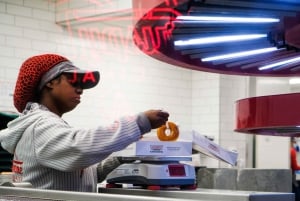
65 93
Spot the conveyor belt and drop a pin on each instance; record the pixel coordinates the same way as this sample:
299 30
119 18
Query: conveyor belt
205 194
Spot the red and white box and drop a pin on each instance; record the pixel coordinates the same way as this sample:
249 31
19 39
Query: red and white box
148 147
184 146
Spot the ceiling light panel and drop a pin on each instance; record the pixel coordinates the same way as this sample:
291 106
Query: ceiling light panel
227 36
226 19
240 54
283 62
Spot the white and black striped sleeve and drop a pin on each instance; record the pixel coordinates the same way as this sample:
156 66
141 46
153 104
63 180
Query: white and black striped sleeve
64 148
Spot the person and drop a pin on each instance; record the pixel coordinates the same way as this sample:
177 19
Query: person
295 167
48 152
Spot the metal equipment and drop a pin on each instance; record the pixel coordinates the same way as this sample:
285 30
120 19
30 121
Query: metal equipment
105 194
154 172
202 194
30 194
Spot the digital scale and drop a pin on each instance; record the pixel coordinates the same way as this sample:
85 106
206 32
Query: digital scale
154 173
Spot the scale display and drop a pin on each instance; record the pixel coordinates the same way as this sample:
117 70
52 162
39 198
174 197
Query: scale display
153 174
176 170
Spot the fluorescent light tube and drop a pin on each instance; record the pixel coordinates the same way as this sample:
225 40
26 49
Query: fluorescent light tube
294 81
288 61
218 39
223 19
240 54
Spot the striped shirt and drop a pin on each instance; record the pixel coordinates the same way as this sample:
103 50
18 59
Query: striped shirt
50 154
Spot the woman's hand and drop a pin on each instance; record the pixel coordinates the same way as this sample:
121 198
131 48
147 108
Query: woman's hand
157 118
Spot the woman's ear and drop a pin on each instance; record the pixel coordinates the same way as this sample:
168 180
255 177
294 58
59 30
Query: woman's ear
49 84
52 83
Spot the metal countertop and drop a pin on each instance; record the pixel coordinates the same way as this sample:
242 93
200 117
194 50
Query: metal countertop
204 194
31 194
114 194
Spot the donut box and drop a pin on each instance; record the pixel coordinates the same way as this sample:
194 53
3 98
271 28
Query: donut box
189 140
163 148
209 148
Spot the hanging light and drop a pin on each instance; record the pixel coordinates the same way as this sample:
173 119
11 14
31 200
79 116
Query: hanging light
219 39
294 81
288 61
222 19
240 54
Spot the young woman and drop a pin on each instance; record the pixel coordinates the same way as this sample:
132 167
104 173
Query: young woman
48 152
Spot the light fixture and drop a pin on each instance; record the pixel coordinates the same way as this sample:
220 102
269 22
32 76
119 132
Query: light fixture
288 61
223 19
293 81
218 39
240 54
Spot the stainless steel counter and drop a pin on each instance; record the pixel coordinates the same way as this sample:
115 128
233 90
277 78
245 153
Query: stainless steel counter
205 194
30 194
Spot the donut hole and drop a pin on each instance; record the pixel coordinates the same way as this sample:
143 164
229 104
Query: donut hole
168 132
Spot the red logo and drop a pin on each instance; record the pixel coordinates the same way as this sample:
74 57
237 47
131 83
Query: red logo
88 77
17 167
148 38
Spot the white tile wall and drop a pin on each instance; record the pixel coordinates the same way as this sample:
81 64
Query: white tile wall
270 146
10 30
2 7
130 81
18 10
232 88
6 18
40 5
15 2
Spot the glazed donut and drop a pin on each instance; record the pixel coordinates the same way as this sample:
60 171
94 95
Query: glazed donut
168 132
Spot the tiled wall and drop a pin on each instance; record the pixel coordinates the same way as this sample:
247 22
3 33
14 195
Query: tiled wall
270 146
130 81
